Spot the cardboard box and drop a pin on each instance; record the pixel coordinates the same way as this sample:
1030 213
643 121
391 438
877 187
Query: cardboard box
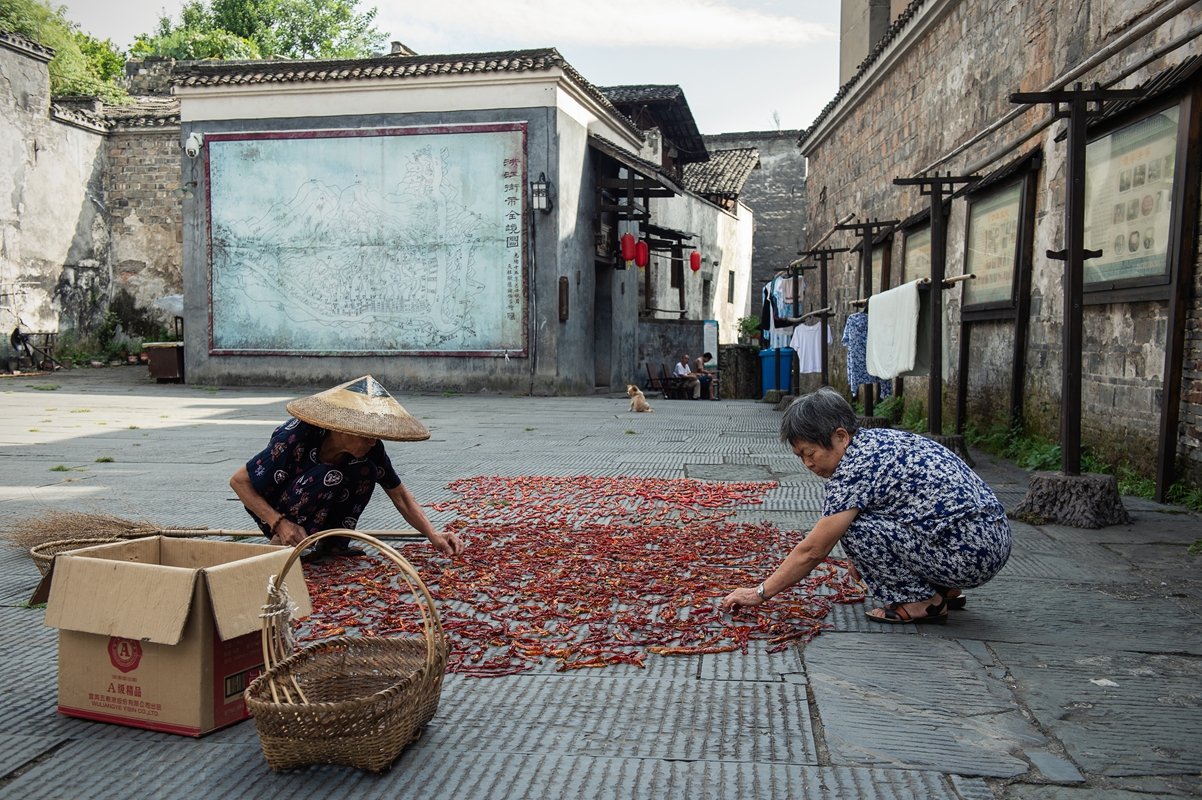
162 633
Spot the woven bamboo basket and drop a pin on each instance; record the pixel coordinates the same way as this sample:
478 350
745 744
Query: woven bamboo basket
44 553
356 701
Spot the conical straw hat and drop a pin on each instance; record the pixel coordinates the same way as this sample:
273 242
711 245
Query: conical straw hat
362 407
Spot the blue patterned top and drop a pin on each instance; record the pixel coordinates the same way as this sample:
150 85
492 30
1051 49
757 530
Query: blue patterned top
909 479
855 337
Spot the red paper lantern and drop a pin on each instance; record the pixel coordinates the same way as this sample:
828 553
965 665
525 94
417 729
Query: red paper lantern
694 261
627 241
642 254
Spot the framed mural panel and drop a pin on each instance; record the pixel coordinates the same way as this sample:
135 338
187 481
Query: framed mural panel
916 258
1129 176
399 241
991 254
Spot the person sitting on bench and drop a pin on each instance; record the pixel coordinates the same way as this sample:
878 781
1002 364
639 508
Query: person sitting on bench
689 380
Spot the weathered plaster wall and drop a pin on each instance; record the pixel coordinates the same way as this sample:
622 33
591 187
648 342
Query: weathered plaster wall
720 236
776 192
54 252
664 341
951 83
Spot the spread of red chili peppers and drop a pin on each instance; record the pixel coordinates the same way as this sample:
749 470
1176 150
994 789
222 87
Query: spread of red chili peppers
587 571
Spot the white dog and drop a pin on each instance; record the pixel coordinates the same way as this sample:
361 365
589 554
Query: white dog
637 401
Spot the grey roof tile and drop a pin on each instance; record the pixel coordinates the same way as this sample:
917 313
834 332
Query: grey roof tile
724 174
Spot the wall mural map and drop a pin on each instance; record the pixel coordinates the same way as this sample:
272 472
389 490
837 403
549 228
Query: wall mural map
376 242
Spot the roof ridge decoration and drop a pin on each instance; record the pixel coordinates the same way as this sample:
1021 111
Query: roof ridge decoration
26 46
243 73
903 19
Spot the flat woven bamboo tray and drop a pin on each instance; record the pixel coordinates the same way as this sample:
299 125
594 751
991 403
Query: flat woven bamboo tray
44 553
356 700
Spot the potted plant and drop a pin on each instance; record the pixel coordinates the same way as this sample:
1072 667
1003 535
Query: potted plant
749 329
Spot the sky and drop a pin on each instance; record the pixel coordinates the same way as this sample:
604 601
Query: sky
743 64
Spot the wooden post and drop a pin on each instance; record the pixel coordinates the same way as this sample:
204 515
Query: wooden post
934 187
824 257
867 230
1076 109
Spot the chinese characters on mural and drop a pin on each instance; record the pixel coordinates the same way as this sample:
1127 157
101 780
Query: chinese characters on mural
377 242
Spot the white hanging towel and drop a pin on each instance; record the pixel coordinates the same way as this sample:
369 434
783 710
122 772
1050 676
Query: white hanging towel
807 341
893 331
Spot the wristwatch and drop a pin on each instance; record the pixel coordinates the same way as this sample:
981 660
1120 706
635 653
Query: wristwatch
759 590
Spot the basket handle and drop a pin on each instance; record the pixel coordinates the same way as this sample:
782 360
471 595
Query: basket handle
431 624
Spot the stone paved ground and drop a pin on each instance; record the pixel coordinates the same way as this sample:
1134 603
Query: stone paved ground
1001 702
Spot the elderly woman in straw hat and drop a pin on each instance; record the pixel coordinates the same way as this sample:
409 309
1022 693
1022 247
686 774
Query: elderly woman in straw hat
321 466
916 523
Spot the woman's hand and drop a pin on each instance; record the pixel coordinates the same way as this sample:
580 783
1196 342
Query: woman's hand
289 533
449 544
746 597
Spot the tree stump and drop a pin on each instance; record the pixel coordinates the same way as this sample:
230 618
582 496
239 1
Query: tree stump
955 443
1079 501
874 422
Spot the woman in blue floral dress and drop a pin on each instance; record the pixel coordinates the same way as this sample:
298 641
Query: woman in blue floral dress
916 523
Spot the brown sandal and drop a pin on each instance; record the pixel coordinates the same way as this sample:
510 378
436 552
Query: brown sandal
896 614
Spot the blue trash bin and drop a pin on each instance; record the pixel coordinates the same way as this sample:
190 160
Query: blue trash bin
777 374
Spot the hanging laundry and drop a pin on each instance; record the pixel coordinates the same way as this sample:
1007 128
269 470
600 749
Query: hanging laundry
855 337
807 342
893 342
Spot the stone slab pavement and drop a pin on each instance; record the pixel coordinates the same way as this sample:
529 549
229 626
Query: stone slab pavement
1077 673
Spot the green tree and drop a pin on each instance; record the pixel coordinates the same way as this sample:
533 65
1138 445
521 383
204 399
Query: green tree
264 28
196 37
82 65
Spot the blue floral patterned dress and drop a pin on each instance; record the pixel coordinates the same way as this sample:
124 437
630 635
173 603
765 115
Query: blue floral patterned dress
925 518
855 338
315 495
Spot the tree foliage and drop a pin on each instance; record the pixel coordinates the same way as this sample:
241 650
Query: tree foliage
82 64
231 29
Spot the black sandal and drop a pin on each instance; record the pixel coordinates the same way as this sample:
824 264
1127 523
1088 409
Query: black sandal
953 603
896 614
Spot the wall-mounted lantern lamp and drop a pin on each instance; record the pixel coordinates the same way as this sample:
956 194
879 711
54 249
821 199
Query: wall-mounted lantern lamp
540 194
695 261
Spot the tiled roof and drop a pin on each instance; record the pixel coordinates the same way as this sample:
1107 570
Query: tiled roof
903 19
669 106
144 112
242 73
23 44
642 94
724 174
92 113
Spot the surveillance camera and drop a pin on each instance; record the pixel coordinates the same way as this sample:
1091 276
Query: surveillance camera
193 145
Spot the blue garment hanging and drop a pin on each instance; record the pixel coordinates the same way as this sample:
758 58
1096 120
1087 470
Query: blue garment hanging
855 337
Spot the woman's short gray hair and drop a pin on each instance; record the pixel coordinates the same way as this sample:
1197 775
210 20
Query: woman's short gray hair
815 417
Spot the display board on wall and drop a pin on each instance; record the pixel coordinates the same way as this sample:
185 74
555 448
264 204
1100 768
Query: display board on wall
917 259
363 242
1128 198
992 246
710 337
